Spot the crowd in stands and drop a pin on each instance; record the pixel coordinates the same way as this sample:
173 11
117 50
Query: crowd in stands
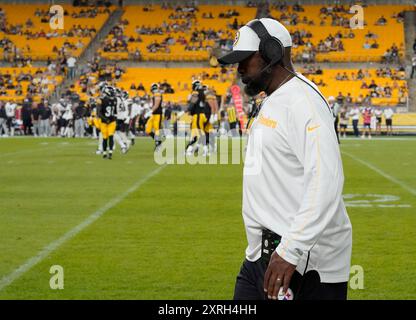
37 27
181 23
27 83
378 84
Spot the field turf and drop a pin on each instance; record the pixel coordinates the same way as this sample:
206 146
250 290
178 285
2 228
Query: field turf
131 229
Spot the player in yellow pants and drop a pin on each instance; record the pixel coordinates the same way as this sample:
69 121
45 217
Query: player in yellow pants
107 114
154 124
195 110
108 129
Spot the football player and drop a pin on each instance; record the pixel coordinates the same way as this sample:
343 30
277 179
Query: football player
194 110
122 114
153 125
67 117
106 110
135 113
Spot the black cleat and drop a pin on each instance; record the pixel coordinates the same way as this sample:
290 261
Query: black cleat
104 156
110 156
132 142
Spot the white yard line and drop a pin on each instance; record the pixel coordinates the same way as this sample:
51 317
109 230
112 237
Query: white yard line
382 173
51 247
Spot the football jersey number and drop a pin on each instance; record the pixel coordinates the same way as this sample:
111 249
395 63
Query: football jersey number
108 111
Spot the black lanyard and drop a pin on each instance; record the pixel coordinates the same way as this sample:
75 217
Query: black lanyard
253 114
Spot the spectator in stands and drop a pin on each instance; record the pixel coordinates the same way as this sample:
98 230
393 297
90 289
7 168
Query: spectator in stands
340 99
381 21
137 55
118 72
70 62
374 45
348 100
372 85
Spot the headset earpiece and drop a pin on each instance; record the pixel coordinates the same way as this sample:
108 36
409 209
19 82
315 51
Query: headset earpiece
271 49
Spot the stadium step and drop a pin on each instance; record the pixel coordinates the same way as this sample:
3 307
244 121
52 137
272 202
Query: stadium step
91 49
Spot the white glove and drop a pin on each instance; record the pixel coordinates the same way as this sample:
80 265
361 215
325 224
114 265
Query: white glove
211 119
127 121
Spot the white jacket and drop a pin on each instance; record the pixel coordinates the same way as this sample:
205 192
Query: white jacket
293 181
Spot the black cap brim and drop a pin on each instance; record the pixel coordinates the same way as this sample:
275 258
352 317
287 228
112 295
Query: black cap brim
235 57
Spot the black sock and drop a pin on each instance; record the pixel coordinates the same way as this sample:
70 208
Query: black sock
105 145
191 142
207 138
152 135
111 143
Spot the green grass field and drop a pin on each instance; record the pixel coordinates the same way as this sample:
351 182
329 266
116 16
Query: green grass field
131 229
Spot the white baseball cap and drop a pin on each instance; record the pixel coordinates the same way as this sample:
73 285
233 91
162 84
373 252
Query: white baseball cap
247 41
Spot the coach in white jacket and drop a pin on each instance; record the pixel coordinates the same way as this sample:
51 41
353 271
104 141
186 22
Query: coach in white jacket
298 231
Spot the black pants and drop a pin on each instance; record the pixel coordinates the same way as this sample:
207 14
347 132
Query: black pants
355 126
27 124
249 284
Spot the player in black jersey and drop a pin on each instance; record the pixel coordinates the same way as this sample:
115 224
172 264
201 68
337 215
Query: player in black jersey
195 109
154 123
106 110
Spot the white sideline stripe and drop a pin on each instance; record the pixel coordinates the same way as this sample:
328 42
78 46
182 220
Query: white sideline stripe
8 279
382 173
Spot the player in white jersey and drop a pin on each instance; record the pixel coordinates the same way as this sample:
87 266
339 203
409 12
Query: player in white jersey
11 115
122 115
67 116
58 110
136 110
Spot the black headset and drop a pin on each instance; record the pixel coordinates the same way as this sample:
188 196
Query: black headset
271 49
